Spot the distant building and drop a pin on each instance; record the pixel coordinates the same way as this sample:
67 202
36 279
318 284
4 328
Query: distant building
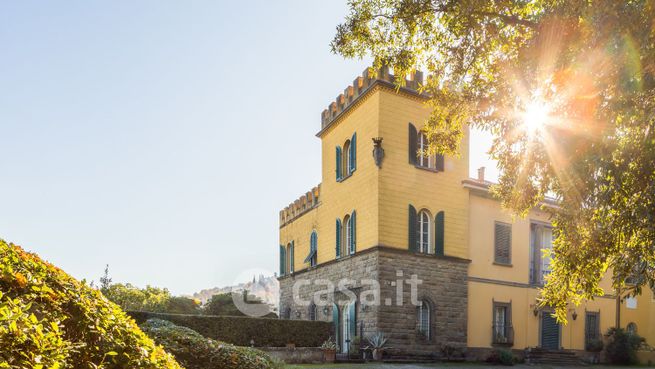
377 213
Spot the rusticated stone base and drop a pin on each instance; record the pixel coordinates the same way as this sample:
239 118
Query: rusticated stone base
443 285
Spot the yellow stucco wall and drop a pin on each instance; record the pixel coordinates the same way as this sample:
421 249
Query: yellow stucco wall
358 192
511 284
401 183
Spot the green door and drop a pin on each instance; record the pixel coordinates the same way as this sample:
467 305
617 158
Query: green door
550 332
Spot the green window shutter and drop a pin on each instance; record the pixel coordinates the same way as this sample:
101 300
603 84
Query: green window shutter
502 243
353 153
283 258
412 229
439 162
352 315
439 233
335 321
338 243
353 231
338 163
291 258
413 136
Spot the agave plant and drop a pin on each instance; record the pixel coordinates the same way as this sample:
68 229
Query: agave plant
377 341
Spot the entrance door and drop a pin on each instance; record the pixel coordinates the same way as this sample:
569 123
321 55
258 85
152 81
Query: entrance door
550 332
345 331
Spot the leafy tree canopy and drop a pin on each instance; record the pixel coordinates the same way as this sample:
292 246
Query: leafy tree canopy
153 299
566 89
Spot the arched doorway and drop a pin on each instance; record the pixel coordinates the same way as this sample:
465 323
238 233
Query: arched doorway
348 328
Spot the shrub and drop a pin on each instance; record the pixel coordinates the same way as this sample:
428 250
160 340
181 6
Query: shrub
502 357
594 345
622 346
239 330
197 352
50 320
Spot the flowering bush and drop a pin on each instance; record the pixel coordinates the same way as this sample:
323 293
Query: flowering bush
197 352
50 320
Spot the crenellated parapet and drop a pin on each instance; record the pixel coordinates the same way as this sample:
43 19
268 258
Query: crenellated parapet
302 205
361 85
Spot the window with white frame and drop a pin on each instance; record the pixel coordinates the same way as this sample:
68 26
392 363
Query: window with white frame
424 160
541 239
424 231
347 235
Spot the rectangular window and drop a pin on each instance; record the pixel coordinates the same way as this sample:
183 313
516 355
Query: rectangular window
592 329
502 243
541 240
503 333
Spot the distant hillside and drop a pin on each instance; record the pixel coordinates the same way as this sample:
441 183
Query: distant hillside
266 288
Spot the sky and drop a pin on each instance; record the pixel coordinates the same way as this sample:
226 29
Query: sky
163 137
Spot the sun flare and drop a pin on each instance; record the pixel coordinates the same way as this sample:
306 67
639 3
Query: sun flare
535 116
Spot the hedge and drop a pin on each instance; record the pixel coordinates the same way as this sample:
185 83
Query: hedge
50 320
194 351
240 330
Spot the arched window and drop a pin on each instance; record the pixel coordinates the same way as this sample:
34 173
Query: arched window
424 233
424 160
313 249
631 328
347 234
423 319
290 257
312 311
345 168
285 313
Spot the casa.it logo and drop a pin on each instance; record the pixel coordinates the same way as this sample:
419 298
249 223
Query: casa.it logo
243 299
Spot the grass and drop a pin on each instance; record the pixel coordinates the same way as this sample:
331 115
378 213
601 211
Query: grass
380 365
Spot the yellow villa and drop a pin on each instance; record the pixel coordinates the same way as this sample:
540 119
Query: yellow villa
416 249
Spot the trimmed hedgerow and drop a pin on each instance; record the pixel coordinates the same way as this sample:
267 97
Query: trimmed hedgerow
194 351
50 320
241 330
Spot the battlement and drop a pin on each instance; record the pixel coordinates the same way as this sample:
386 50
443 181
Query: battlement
302 205
360 86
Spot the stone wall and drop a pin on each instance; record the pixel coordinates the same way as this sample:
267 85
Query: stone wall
357 268
296 355
443 285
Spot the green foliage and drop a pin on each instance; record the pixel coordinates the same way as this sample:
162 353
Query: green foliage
197 352
567 88
377 340
240 330
330 344
50 320
502 357
595 345
223 304
154 299
622 347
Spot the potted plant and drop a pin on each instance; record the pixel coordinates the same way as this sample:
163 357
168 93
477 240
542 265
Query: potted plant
595 346
330 348
377 344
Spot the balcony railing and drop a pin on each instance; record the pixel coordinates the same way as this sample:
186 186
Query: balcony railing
502 334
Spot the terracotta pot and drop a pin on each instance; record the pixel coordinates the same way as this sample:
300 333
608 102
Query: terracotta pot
291 345
377 354
329 355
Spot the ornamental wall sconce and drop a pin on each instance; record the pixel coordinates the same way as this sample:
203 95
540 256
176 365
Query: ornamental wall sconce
535 310
325 310
378 151
574 315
